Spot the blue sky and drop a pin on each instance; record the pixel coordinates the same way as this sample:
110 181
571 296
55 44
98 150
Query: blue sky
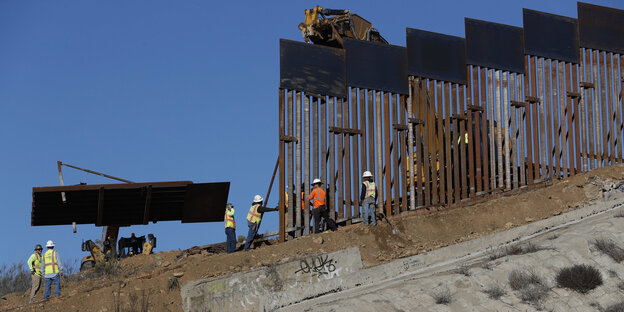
165 91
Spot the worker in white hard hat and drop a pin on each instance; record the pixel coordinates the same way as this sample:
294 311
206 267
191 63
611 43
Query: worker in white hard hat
253 218
368 197
319 208
52 270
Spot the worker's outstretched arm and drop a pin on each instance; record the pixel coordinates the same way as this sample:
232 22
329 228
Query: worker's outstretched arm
262 209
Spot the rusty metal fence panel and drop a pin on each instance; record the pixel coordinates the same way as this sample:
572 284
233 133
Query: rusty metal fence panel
446 119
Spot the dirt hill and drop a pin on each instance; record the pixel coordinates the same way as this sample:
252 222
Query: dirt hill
149 281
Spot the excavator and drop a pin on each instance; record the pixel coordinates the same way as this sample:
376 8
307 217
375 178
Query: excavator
328 27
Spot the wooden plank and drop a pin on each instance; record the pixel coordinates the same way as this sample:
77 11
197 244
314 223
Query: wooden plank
426 143
549 114
577 116
438 162
282 173
563 119
451 140
491 132
514 131
306 159
347 162
463 161
380 152
339 162
446 168
479 171
394 150
542 118
605 109
500 126
528 127
505 127
403 154
356 148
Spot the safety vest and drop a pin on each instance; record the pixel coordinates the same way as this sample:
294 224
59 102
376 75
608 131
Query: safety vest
229 221
317 197
254 216
286 199
370 189
49 258
36 263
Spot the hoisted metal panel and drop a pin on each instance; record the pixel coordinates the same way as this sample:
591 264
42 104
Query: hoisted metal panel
494 45
312 68
551 36
436 56
601 28
376 66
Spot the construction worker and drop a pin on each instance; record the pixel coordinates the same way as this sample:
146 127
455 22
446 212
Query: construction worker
52 270
230 228
319 209
254 217
368 197
34 264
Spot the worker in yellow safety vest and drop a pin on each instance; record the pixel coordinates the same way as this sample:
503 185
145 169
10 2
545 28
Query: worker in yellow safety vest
34 264
52 270
230 228
368 197
253 219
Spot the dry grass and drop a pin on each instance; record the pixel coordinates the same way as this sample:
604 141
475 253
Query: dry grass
517 249
14 278
173 284
463 270
609 248
531 286
495 291
442 296
619 214
580 277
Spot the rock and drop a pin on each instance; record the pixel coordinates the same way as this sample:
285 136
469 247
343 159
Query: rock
508 224
166 264
145 276
231 267
204 252
123 284
286 259
178 274
528 219
399 244
363 245
318 240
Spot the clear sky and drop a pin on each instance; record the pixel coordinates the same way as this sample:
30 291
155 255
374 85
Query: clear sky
165 91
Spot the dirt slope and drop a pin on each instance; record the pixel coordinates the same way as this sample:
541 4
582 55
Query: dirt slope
147 277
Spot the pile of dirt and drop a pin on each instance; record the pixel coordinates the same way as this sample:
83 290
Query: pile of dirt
154 279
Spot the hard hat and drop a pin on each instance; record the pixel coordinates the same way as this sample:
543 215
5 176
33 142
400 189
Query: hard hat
38 247
50 244
317 180
367 174
258 199
229 206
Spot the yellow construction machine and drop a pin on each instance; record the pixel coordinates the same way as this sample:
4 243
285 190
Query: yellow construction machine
328 27
97 255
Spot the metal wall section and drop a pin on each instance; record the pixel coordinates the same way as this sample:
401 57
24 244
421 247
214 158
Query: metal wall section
551 36
601 28
494 45
436 56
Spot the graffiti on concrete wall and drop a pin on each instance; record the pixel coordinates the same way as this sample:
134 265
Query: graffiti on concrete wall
317 266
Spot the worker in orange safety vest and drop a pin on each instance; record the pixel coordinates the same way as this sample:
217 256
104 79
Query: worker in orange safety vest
319 208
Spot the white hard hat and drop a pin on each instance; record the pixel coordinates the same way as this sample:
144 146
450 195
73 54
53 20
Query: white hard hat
317 180
367 174
258 199
50 244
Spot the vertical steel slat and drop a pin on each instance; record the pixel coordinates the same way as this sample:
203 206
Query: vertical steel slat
339 161
438 167
356 156
387 167
605 109
577 116
499 128
542 117
395 156
570 123
556 119
299 157
282 169
306 159
347 162
365 134
479 151
420 151
621 99
549 124
528 128
598 109
445 167
410 143
325 153
462 146
331 174
491 133
562 119
485 147
471 137
611 106
291 163
521 130
452 142
514 131
371 132
379 153
403 152
433 148
426 141
505 127
535 116
618 109
315 138
588 103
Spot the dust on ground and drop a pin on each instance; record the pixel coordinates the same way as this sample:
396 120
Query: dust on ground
148 279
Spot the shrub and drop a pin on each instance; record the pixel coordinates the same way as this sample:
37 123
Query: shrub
533 293
495 291
618 307
442 296
14 278
463 269
519 279
609 248
173 283
516 249
579 277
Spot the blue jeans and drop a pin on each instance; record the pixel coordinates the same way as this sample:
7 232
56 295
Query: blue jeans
253 229
230 244
57 286
368 210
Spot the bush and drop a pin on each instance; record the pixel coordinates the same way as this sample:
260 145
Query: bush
14 278
173 283
580 277
495 291
442 296
463 270
618 307
531 286
516 249
533 293
609 248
